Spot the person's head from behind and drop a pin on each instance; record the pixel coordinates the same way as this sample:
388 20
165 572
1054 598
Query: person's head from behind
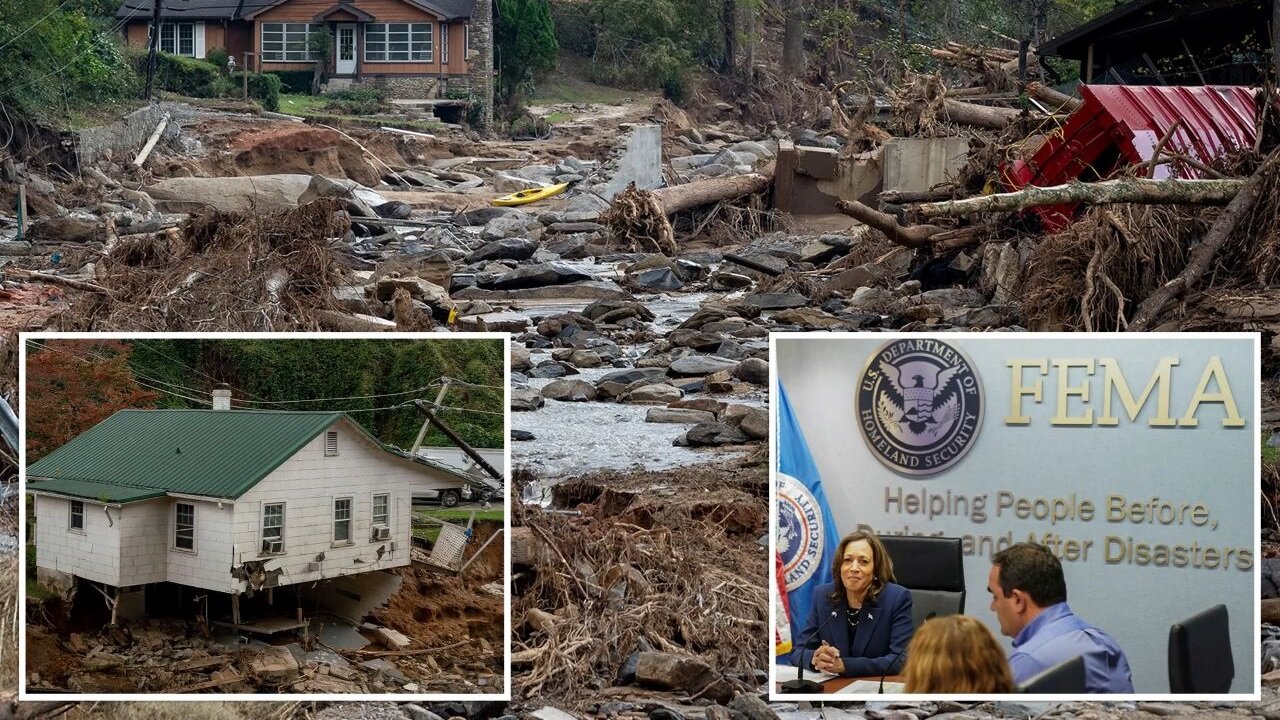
1025 578
862 566
956 654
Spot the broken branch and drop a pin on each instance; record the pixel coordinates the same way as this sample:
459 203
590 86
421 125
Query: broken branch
913 236
1201 257
1139 191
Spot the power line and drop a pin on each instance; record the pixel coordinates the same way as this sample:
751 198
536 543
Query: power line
351 397
57 71
198 372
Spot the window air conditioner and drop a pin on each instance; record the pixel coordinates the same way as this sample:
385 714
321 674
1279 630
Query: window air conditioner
381 533
272 546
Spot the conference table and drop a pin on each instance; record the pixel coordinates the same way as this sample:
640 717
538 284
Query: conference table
835 685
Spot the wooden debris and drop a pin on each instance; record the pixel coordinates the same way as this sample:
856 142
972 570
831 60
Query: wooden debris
1140 191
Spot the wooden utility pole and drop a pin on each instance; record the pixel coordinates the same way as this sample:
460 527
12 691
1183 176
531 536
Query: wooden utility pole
155 46
426 424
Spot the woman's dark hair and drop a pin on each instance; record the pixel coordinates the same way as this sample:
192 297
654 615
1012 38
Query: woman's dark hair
881 571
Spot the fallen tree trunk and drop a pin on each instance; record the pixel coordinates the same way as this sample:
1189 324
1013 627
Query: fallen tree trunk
965 113
1049 96
1139 191
705 192
912 236
901 197
1201 257
640 217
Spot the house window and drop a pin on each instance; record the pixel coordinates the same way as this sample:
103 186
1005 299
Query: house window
444 43
381 510
273 528
178 39
342 520
331 443
397 42
76 521
288 42
184 526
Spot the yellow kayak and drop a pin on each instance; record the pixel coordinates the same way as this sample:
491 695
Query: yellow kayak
525 197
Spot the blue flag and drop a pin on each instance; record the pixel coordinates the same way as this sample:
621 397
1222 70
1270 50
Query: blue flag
807 536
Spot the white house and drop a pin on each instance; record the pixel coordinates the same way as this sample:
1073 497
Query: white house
225 500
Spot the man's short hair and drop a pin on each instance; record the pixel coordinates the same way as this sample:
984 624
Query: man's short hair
1033 569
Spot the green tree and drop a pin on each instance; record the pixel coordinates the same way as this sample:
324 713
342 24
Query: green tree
525 44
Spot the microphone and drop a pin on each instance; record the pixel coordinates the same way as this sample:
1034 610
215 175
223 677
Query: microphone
880 691
800 685
886 670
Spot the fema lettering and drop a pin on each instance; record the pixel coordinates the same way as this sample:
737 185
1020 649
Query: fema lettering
919 405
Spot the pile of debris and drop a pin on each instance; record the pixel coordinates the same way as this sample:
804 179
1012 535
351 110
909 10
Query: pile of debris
632 587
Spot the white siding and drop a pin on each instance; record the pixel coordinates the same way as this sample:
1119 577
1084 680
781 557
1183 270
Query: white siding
93 554
209 567
308 482
143 542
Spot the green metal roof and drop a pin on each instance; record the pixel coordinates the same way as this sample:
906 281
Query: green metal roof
139 454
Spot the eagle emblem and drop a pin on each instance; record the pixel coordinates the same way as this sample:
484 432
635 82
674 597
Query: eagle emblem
919 405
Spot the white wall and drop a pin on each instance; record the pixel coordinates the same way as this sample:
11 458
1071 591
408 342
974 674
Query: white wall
209 567
308 483
93 554
1135 603
144 542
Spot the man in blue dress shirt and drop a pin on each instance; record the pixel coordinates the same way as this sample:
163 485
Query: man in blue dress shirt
1029 597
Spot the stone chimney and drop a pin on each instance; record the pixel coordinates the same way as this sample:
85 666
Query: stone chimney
480 59
221 396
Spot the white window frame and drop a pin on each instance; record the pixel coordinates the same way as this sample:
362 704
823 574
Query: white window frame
331 443
262 527
377 42
173 45
444 43
71 516
349 520
174 545
289 32
386 515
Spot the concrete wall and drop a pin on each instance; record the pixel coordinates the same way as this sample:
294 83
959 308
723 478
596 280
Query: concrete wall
917 164
93 554
308 483
123 137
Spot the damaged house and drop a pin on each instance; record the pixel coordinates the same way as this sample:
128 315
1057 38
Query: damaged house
230 501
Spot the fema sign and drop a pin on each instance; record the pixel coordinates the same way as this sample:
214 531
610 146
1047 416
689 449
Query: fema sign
919 405
1134 458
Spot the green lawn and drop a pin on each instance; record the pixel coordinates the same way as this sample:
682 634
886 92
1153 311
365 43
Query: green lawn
457 516
294 104
564 88
1269 454
558 117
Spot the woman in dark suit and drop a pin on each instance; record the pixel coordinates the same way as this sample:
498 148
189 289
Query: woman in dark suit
863 619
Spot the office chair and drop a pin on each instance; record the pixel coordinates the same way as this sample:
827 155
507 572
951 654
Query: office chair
1063 678
1200 653
932 568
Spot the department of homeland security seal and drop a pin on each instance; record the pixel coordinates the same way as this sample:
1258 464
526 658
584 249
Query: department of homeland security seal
800 531
919 405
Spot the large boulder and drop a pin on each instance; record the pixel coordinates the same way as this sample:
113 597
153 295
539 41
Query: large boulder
569 391
678 415
753 370
659 393
694 365
525 399
261 193
505 249
712 434
540 275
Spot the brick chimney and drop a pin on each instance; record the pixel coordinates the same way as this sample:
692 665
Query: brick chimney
221 396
